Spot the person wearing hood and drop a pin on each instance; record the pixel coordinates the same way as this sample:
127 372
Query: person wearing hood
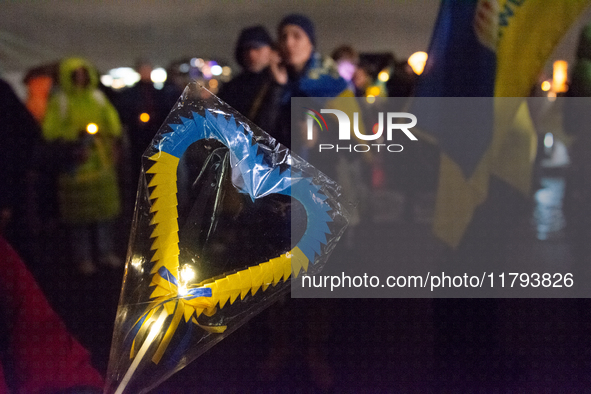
80 117
250 92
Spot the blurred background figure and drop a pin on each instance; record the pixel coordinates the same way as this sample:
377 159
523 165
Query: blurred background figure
303 72
251 90
175 83
20 135
39 81
41 183
38 354
143 110
368 79
402 80
363 78
347 60
81 119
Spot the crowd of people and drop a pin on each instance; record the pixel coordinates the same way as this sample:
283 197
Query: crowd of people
89 176
73 157
74 148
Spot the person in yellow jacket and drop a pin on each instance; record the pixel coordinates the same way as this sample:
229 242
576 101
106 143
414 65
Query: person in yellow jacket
80 117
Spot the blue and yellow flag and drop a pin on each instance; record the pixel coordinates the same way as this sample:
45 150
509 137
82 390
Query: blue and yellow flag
528 31
488 48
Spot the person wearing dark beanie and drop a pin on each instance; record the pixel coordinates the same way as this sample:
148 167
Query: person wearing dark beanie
297 42
302 22
303 72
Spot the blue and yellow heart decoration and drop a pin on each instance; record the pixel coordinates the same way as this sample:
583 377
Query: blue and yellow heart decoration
174 294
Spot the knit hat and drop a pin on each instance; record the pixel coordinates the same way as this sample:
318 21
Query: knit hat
301 21
251 37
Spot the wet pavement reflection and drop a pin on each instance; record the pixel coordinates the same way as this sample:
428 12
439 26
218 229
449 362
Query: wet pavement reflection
548 217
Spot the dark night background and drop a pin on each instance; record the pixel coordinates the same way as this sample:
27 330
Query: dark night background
370 346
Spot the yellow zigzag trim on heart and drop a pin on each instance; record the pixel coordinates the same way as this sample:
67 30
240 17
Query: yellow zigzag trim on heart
166 254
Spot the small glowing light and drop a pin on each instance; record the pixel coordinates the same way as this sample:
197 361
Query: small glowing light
346 69
92 128
370 99
384 76
546 86
158 75
548 140
187 273
216 69
373 91
156 326
118 84
136 262
123 76
417 62
206 70
213 84
184 68
226 71
107 80
375 128
144 117
197 62
559 76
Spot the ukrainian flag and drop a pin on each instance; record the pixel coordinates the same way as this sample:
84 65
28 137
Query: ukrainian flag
488 48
